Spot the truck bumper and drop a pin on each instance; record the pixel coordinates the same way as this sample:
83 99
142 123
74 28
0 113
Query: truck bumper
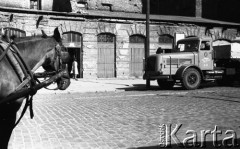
154 75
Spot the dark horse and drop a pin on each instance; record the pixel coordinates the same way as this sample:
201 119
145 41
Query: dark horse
35 51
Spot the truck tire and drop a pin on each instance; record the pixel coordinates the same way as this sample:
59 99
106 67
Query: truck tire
163 84
191 79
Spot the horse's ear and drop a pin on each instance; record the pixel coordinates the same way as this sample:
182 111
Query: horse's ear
44 35
57 35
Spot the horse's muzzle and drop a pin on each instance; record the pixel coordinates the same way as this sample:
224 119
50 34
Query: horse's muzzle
64 82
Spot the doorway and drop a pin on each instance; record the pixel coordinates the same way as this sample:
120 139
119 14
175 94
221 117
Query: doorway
75 55
73 42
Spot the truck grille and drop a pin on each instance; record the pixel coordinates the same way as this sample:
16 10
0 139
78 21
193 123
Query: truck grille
177 61
151 64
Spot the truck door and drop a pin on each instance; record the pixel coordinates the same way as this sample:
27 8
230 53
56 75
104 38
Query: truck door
205 56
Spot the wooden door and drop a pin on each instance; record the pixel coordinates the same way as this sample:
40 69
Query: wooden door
137 54
106 56
136 60
106 61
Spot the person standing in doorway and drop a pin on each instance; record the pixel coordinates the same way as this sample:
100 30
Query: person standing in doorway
70 62
75 69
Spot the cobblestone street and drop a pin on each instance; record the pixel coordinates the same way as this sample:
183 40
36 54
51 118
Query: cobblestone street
124 119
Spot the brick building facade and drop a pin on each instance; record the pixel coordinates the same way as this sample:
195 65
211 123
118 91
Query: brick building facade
108 36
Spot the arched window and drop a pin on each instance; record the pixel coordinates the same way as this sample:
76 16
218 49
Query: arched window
72 39
165 39
105 37
137 39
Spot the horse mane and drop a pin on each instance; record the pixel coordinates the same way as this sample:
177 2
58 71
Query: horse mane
31 40
19 40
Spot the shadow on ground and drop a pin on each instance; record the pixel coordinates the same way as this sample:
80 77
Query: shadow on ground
142 87
177 87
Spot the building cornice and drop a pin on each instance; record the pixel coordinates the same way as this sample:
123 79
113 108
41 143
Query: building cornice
94 14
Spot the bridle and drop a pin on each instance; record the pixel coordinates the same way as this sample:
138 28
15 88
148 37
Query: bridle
57 64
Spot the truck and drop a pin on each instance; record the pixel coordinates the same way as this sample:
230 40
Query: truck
194 60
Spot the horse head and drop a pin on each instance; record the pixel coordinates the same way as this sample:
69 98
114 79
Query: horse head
45 51
57 60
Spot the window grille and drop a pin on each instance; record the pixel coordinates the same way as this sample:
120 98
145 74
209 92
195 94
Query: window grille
105 38
165 39
137 39
72 39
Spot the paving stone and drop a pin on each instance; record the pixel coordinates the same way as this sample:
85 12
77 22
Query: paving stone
124 119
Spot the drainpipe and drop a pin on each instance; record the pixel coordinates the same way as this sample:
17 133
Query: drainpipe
198 8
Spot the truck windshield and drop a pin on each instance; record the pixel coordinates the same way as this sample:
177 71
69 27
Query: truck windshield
188 46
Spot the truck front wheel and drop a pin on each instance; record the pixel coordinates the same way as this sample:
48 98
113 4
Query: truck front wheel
165 84
191 79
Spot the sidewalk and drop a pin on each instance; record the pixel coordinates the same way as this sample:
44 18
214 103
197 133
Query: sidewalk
98 85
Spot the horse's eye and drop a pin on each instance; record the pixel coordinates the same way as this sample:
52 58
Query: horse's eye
48 60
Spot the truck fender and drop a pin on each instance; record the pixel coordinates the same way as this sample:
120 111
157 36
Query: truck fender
182 69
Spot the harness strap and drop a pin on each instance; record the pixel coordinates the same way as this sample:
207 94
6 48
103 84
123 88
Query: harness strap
16 57
28 103
28 73
23 63
10 55
25 82
21 68
4 52
29 78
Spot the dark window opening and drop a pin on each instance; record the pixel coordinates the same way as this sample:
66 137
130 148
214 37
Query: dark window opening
35 4
62 6
171 7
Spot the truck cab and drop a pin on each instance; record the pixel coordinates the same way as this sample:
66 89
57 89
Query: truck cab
193 61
